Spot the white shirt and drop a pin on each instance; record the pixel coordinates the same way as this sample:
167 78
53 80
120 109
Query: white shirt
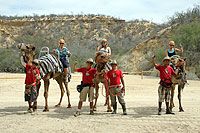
106 50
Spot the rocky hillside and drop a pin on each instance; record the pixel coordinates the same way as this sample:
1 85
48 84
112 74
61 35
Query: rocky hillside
82 34
132 42
184 29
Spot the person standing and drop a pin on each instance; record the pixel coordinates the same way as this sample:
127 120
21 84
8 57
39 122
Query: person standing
32 83
87 85
164 89
115 80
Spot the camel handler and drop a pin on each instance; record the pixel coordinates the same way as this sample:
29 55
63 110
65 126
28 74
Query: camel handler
32 83
87 86
115 79
164 89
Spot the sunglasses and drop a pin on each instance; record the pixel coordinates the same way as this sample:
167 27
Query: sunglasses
61 43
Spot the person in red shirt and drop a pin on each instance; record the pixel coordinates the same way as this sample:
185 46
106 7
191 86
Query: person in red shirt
31 83
115 79
164 89
87 84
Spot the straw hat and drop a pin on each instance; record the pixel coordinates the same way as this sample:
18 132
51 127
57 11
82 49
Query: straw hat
114 62
90 60
35 61
166 58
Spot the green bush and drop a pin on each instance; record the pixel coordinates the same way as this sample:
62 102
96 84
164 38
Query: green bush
188 35
10 60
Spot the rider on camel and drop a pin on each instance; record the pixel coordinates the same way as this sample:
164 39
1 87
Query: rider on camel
171 51
64 55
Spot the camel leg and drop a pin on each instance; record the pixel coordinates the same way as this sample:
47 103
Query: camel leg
96 96
180 87
172 98
107 96
108 104
106 100
46 89
68 94
62 91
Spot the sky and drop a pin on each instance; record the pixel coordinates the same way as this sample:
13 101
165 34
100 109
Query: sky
157 11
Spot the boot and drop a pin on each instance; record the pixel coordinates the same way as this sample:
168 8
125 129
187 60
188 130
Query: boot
69 77
91 112
168 111
159 108
114 108
34 106
124 109
77 113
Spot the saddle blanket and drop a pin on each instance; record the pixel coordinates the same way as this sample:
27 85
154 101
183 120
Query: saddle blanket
49 63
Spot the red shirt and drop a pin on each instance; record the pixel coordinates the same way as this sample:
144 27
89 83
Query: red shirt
37 74
115 77
30 76
165 73
87 74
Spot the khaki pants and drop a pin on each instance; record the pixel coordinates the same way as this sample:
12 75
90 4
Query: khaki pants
116 92
87 91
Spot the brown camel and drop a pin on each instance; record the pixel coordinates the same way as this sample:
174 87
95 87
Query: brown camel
101 60
179 65
28 50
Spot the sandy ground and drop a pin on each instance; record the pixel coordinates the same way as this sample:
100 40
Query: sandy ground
141 99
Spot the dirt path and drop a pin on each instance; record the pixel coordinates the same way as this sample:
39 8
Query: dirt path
141 97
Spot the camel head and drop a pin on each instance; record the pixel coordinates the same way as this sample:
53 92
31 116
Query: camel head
102 57
179 62
27 50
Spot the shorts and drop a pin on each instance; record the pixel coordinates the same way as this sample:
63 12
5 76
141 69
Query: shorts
64 62
87 91
164 93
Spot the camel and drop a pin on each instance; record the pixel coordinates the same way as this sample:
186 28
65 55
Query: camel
28 50
101 60
180 80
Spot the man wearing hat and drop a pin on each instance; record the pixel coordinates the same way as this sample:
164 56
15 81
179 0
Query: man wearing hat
166 72
115 80
88 74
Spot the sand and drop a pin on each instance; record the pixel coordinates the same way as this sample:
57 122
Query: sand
141 98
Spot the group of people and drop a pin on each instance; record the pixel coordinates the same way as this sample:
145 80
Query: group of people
114 76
